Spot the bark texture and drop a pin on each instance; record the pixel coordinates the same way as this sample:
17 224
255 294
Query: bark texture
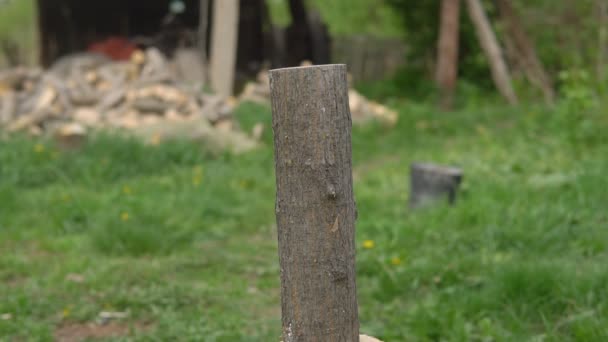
315 208
447 52
490 46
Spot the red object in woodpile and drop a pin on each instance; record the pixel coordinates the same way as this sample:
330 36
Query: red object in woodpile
116 48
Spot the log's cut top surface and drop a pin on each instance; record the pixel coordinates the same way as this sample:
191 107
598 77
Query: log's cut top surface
434 168
327 66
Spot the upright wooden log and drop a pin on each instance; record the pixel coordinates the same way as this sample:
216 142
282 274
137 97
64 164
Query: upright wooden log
315 208
447 52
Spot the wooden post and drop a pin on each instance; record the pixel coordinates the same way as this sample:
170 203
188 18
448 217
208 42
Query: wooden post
315 208
223 45
489 45
447 52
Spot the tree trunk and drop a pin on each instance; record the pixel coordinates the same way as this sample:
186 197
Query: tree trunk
223 45
489 44
447 52
315 208
524 50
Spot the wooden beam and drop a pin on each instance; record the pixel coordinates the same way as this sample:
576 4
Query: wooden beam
447 52
224 38
492 50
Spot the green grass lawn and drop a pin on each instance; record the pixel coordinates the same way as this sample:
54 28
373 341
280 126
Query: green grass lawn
184 240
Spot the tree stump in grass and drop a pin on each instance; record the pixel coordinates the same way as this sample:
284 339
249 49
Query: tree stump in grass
431 183
315 208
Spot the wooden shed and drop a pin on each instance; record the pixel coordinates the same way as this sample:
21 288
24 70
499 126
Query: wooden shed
71 26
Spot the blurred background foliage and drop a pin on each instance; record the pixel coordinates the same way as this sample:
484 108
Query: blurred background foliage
566 34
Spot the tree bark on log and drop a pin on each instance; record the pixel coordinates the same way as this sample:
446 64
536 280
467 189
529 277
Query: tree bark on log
490 46
524 50
447 52
315 208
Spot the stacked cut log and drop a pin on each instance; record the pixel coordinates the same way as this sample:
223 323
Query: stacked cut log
362 109
144 94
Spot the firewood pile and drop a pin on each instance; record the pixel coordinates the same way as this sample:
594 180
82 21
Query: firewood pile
144 95
362 109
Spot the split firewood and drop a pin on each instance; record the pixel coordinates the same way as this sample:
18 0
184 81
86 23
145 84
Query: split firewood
150 105
62 92
114 73
210 106
14 78
87 90
64 66
111 99
8 105
83 98
42 97
156 69
163 92
47 96
29 120
87 116
70 136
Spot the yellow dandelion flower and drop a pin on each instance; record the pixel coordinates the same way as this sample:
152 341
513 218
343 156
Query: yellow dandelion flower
196 180
66 312
126 190
369 244
38 148
396 261
124 216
